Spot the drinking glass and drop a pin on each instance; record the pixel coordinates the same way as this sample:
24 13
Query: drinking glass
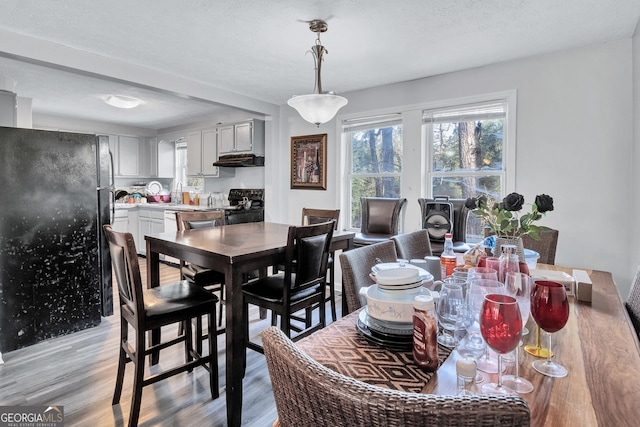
550 310
501 327
537 350
482 273
470 341
493 262
518 286
476 291
447 307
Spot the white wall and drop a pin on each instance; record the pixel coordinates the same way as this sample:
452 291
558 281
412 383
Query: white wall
634 250
574 142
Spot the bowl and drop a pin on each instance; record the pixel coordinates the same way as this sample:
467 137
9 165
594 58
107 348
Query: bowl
397 308
158 198
424 275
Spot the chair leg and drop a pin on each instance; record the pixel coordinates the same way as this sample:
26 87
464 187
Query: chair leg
199 334
188 340
332 293
138 379
222 303
122 362
212 336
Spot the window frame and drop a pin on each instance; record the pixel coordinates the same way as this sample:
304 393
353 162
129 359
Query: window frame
507 174
358 123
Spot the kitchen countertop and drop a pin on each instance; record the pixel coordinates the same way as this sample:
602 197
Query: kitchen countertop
165 206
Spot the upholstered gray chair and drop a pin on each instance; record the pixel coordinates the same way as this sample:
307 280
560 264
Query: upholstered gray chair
633 303
413 245
546 246
310 394
356 266
379 219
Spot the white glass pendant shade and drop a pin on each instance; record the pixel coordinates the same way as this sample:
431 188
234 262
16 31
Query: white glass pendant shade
317 108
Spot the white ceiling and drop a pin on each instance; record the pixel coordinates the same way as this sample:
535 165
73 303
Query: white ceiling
257 48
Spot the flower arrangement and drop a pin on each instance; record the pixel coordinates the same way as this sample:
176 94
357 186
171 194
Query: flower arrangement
503 217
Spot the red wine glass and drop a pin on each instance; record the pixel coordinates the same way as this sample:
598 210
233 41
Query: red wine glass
476 291
550 310
501 327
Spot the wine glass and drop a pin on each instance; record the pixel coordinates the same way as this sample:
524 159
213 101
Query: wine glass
482 273
501 327
470 341
447 308
550 310
518 286
478 288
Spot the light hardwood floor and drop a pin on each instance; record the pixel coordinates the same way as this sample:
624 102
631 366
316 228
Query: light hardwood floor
78 371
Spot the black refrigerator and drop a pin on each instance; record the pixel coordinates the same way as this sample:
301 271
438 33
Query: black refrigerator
56 192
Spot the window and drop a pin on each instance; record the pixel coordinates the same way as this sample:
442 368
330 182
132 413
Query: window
374 150
466 149
188 182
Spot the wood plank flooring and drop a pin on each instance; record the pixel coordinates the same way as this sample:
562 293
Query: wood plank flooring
78 371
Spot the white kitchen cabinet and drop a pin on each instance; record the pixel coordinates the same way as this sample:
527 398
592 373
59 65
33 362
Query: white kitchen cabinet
121 221
166 155
128 156
113 148
150 221
202 152
241 138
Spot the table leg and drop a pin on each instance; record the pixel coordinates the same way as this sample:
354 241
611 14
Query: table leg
235 346
153 280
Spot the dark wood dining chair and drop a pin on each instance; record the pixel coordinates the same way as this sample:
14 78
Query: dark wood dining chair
212 280
356 267
145 310
301 286
326 398
316 216
379 219
413 245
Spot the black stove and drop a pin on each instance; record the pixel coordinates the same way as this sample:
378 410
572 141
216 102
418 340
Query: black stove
237 213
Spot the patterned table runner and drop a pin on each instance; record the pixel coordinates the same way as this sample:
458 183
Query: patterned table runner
341 348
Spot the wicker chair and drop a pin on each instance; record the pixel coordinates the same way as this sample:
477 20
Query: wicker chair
633 303
546 246
413 245
356 266
309 394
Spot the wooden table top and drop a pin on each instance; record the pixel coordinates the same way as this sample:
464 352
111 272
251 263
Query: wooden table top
598 346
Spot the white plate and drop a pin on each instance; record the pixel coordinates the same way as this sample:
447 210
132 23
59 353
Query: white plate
424 274
154 188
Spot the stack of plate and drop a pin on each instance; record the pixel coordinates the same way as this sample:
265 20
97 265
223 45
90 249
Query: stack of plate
399 281
394 336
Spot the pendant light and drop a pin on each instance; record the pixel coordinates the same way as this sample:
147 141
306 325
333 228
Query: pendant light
318 107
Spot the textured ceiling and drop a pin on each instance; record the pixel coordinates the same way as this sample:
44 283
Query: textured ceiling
257 48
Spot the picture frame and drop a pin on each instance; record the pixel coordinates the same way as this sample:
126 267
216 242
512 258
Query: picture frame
309 162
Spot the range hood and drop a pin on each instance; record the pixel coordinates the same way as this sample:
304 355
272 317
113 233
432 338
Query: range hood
239 161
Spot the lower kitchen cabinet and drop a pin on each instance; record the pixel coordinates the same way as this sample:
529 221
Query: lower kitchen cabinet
150 221
120 220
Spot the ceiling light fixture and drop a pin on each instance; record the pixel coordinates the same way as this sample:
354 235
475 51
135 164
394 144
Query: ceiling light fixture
121 101
318 107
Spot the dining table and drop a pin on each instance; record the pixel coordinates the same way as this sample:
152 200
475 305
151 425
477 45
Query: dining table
233 250
598 346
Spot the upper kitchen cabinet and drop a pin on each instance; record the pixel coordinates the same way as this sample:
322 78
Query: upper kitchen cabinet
142 157
202 152
128 156
239 138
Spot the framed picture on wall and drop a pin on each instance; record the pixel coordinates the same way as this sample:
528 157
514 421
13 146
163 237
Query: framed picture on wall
309 162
